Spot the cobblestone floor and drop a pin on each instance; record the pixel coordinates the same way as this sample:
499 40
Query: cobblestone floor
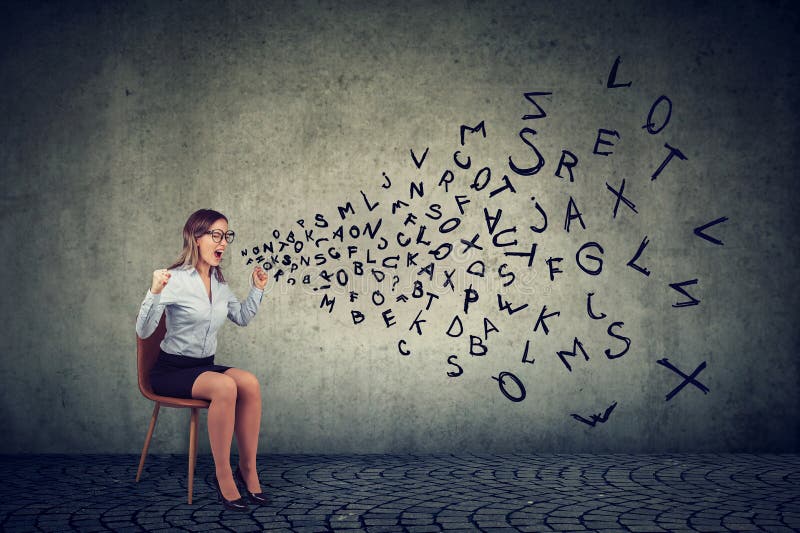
381 493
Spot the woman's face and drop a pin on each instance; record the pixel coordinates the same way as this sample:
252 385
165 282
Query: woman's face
211 252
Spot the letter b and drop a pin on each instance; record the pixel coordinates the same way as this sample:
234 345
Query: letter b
476 346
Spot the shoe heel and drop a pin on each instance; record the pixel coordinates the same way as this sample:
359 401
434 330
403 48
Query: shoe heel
254 498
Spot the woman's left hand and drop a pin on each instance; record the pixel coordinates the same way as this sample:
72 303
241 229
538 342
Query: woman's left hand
259 278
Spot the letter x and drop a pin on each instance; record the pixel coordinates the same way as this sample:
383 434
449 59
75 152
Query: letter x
619 196
686 379
472 243
449 279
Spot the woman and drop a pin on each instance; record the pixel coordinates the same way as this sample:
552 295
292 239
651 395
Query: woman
196 299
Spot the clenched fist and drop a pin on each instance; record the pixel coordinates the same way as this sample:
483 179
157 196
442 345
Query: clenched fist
160 280
259 278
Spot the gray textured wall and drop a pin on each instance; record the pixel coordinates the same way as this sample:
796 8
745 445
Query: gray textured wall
120 120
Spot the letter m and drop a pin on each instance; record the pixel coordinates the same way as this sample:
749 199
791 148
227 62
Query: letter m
327 302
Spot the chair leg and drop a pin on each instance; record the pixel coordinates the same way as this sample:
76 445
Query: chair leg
147 440
192 450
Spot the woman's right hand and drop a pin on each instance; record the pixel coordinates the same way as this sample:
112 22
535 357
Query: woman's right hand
160 280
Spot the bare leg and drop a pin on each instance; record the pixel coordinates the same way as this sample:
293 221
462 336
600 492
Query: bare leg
221 391
248 424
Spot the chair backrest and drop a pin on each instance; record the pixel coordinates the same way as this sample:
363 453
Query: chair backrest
147 351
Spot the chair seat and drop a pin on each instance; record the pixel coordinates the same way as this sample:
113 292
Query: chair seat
169 401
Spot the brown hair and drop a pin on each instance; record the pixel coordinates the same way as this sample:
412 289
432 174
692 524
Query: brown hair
195 227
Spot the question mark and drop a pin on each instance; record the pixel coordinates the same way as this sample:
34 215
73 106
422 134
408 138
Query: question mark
395 281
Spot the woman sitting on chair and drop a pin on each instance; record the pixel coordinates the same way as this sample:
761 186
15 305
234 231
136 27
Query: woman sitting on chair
196 299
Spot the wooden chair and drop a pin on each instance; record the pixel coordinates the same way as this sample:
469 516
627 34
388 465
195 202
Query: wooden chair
147 351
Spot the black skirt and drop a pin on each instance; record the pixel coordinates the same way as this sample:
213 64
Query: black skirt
174 375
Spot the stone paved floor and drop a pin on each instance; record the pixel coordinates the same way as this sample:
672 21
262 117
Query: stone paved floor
424 493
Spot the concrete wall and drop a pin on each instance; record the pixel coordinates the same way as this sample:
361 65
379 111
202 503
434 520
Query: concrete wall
119 120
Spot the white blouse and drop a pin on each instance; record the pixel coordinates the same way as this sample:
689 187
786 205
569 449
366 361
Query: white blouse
193 319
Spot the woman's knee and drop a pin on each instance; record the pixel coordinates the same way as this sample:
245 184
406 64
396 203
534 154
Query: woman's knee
246 382
251 384
226 389
215 387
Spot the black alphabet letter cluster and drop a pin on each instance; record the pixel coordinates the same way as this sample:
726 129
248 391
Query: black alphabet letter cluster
398 279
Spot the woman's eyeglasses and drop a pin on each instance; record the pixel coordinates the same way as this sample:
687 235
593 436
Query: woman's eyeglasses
218 234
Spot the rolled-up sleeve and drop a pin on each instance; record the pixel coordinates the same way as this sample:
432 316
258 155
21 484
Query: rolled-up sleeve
241 313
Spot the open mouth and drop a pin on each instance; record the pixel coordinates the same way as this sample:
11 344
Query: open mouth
218 254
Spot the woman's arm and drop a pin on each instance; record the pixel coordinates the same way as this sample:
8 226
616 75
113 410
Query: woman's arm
241 313
153 305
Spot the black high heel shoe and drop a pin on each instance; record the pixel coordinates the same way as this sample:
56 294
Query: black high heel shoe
258 498
234 505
